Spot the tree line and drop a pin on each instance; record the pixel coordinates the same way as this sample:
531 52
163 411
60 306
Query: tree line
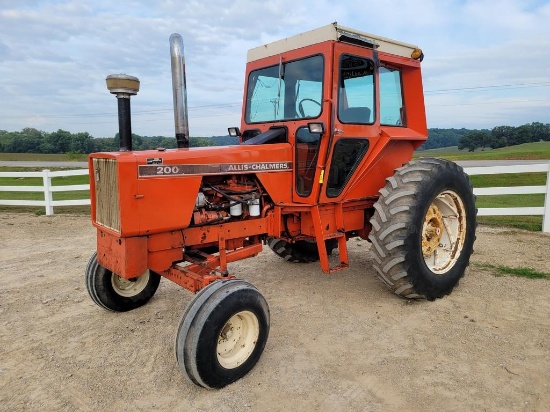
499 136
30 140
444 138
502 136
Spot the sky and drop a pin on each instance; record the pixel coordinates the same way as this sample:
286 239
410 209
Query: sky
487 62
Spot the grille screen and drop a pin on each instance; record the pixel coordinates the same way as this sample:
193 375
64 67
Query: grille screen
106 193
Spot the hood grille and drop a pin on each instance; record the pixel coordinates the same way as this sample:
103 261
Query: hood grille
106 193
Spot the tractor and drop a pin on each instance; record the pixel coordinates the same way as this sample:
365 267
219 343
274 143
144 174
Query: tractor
330 120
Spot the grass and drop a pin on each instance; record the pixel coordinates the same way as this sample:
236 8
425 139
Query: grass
532 223
499 270
39 210
527 151
509 179
529 200
37 181
77 194
37 157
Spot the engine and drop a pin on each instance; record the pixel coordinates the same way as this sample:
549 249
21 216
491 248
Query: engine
233 198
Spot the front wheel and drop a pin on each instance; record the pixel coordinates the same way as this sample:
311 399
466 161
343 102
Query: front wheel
423 228
116 293
222 333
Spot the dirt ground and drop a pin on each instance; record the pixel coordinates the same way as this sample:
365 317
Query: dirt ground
340 342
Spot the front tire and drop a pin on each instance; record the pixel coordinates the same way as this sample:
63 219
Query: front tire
222 333
423 228
115 293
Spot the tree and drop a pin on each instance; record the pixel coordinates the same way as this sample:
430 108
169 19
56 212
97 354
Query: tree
104 144
540 132
524 134
57 142
81 143
442 138
27 141
474 140
503 135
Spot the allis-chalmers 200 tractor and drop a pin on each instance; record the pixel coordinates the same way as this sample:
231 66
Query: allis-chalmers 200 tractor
330 120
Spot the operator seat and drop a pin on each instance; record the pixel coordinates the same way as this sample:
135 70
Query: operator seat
356 115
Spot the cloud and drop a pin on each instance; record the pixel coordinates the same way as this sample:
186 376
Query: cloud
55 55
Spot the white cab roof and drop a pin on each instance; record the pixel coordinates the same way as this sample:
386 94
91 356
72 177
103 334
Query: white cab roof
330 32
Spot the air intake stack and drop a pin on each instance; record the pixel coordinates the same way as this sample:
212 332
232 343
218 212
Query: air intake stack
123 86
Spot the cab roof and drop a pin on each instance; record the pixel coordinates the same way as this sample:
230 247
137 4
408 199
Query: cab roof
332 32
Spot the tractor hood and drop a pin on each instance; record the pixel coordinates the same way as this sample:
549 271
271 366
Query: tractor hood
154 191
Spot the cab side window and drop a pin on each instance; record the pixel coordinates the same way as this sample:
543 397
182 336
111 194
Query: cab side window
392 111
356 90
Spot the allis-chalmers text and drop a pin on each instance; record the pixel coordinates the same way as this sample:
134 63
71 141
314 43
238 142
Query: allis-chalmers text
224 168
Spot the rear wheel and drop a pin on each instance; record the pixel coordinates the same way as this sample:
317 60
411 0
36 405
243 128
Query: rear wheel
423 228
116 293
222 333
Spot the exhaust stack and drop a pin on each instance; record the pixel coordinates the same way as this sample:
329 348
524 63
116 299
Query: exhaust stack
124 87
180 91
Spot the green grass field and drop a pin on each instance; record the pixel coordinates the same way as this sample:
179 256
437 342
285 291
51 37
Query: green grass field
506 180
533 223
37 181
37 157
528 151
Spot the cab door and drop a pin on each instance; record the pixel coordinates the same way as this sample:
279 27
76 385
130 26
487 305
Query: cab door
355 119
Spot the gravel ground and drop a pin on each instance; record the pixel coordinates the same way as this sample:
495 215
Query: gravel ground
339 342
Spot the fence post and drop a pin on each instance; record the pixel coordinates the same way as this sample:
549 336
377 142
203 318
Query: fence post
546 216
48 197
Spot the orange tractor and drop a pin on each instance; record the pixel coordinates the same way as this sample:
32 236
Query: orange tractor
330 120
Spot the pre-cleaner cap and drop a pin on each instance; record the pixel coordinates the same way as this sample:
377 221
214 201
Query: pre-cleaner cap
122 83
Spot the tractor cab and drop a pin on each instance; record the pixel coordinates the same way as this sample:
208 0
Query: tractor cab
337 95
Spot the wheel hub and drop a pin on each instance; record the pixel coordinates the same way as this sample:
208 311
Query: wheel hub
237 339
432 231
129 287
443 232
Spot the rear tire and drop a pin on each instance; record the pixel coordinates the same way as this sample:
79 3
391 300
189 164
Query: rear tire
118 294
423 228
222 333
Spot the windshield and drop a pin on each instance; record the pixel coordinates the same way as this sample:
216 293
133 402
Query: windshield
289 90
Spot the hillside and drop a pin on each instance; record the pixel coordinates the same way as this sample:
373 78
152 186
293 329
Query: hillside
526 151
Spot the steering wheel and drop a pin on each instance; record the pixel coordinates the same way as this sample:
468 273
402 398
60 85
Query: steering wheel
301 107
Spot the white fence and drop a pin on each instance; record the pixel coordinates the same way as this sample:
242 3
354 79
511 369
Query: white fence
543 211
47 189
